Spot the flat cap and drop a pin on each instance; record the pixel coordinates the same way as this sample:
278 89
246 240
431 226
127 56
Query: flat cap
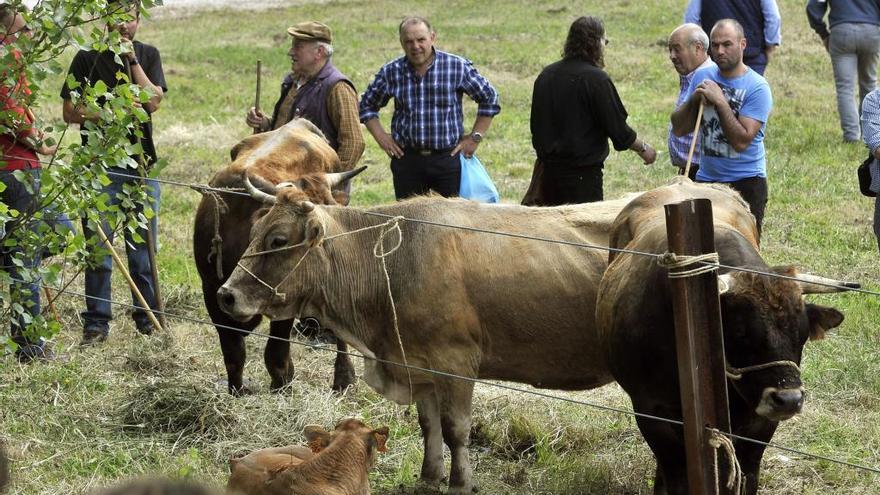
311 31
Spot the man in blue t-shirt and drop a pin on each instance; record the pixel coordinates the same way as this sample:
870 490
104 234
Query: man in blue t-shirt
737 103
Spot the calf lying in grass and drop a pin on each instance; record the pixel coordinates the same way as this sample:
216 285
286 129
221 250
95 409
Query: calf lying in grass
335 463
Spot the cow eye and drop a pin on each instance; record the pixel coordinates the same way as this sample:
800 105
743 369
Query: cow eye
278 241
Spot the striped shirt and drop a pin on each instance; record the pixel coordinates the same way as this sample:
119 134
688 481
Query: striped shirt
871 132
427 110
680 145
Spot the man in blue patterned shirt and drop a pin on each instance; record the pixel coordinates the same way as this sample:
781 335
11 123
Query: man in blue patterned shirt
427 130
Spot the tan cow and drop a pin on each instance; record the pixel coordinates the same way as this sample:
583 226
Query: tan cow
334 463
296 154
469 303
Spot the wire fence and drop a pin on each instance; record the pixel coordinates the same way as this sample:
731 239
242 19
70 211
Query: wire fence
476 381
201 187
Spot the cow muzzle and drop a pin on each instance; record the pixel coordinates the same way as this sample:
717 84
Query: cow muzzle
231 302
779 404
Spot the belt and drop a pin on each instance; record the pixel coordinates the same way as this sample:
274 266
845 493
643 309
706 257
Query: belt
426 151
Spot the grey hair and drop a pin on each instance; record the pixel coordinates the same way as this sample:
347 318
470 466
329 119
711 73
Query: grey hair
697 35
328 48
413 20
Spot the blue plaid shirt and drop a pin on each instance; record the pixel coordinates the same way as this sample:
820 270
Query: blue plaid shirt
427 110
871 132
680 145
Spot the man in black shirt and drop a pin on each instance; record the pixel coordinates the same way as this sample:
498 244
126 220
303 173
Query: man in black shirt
575 110
144 65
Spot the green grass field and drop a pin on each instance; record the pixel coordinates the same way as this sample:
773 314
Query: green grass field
150 405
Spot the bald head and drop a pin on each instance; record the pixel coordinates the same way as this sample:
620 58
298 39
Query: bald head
727 44
688 48
730 24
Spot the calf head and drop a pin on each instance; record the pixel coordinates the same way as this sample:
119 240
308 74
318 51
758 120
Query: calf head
284 264
373 440
766 325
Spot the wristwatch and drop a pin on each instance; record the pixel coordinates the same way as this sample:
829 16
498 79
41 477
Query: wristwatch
476 137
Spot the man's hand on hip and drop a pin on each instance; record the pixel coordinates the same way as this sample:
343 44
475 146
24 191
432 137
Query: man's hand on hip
389 145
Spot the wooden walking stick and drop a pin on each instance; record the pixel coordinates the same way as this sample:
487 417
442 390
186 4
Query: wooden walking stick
257 98
687 167
50 301
124 270
151 236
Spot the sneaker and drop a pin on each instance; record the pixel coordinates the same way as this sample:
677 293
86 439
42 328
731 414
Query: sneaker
92 337
30 353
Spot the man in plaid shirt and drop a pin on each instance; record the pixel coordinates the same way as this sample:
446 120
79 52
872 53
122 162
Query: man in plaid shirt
427 132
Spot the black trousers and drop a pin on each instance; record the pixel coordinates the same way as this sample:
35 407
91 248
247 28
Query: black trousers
754 190
562 187
416 174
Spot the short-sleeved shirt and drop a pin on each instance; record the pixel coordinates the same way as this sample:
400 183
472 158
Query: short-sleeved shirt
427 109
90 66
748 96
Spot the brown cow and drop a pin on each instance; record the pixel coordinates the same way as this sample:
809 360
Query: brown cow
335 463
765 321
298 154
468 303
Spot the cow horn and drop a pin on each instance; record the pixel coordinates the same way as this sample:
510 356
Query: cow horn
257 194
725 283
307 206
336 178
814 284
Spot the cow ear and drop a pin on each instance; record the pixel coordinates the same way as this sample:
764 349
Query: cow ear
314 231
233 153
822 319
317 438
381 436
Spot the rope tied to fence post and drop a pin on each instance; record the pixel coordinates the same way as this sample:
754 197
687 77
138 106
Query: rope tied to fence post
719 442
672 261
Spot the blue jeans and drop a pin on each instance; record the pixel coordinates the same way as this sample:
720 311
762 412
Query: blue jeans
98 311
854 49
18 197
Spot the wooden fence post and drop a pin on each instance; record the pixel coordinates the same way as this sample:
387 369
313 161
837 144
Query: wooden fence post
699 344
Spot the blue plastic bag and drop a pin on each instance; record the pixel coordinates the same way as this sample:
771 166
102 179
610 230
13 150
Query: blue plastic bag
475 181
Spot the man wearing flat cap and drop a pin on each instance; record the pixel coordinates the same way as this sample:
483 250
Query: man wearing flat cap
317 91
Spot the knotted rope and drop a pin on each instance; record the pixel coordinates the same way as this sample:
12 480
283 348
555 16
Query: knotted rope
719 442
672 261
220 208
